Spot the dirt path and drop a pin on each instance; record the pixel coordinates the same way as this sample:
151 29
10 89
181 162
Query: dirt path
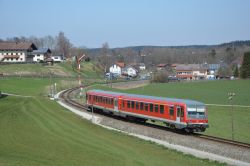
129 85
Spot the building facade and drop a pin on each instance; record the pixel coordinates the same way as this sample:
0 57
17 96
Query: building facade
41 55
16 51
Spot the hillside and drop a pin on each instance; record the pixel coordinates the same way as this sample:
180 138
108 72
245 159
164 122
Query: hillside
37 131
176 54
57 70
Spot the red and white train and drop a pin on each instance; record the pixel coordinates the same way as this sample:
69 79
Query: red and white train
188 115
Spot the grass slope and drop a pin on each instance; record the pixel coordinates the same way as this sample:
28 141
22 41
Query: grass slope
35 131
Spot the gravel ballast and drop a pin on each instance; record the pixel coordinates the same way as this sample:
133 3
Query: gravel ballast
187 144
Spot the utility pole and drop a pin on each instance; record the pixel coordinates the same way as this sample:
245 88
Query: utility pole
230 98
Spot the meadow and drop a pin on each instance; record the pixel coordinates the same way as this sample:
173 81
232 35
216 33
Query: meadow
37 131
210 92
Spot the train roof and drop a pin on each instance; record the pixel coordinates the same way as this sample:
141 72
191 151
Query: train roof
186 101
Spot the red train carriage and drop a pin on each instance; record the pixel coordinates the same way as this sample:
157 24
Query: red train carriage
175 113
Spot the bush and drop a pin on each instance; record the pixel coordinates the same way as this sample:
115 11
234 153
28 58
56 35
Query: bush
160 77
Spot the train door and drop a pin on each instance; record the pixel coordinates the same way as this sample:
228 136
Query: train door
115 104
178 114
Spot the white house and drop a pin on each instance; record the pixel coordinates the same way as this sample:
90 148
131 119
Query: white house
142 66
130 71
41 54
16 51
115 69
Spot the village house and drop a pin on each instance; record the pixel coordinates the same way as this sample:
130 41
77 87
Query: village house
161 66
16 51
41 55
116 68
212 71
191 71
130 71
142 66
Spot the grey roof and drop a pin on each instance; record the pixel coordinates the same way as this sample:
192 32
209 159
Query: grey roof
42 51
213 66
186 101
191 67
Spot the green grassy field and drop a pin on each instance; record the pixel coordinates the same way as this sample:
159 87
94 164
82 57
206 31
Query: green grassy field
37 131
210 92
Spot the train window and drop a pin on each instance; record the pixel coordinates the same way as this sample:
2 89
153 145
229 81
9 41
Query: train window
132 104
137 105
141 106
156 108
112 101
128 104
162 109
146 106
151 107
171 111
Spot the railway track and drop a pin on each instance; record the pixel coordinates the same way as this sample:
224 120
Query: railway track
66 97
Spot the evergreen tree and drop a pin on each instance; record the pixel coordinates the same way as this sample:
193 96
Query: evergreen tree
236 72
245 68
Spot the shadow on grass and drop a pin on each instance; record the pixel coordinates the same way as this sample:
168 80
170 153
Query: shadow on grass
2 96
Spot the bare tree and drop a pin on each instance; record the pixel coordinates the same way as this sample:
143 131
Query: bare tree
63 44
104 59
49 42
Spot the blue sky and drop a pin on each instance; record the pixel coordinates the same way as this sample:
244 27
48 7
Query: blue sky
122 23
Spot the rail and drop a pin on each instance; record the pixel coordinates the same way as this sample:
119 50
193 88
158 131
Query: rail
66 97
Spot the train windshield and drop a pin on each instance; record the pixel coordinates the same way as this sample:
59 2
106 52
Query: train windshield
196 112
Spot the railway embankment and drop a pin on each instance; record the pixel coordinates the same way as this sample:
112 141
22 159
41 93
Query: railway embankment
187 144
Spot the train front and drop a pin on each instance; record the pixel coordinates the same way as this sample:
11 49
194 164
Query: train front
197 119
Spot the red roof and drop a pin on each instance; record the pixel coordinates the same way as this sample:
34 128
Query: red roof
162 65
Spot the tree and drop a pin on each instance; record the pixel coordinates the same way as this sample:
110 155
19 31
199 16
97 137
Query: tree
63 44
230 54
224 71
49 42
236 72
104 56
245 68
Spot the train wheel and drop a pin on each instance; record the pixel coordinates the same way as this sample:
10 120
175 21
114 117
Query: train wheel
188 130
172 126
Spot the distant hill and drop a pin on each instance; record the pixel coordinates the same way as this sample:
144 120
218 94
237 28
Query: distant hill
175 54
